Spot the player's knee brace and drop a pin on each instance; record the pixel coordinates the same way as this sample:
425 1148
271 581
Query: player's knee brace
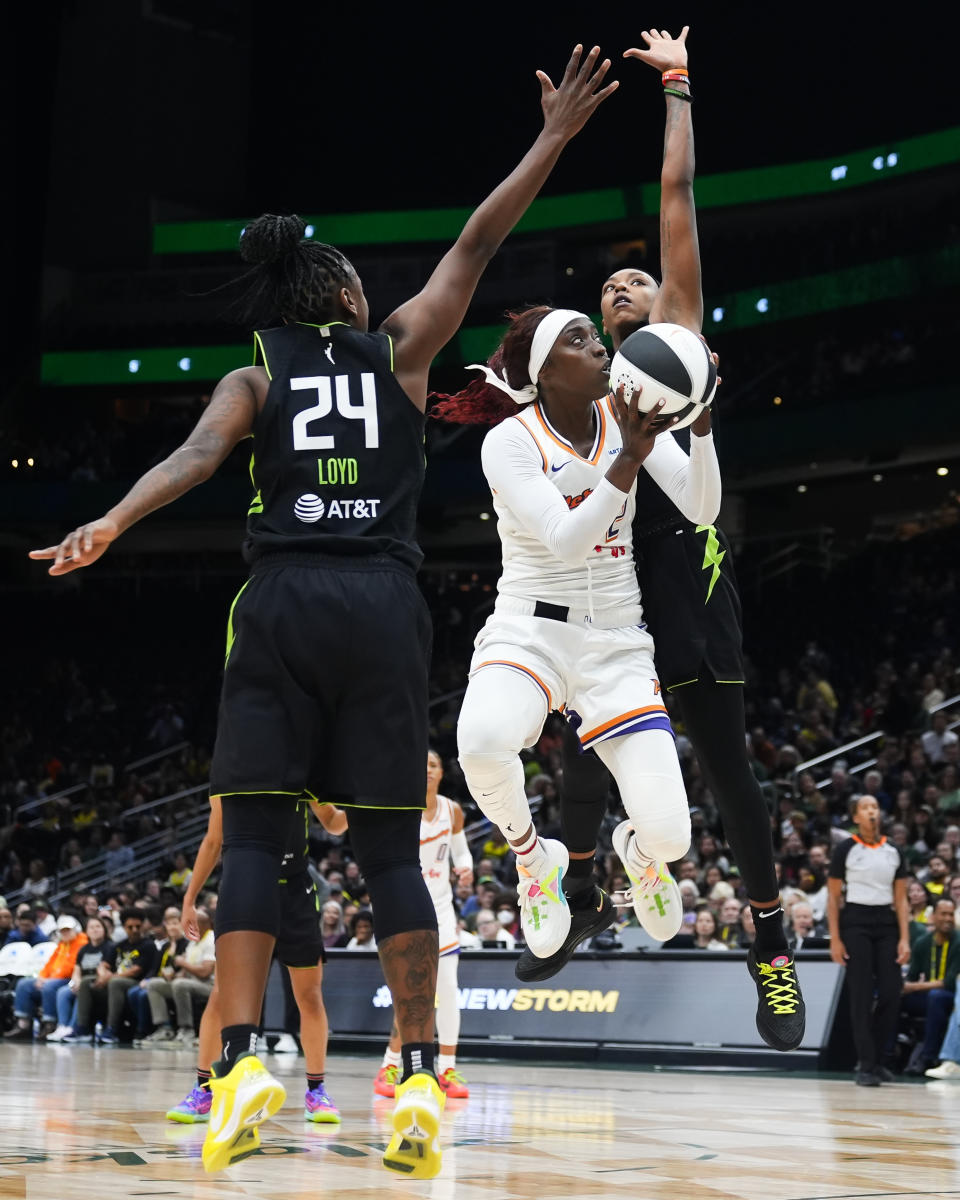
663 829
494 775
487 754
386 843
448 1001
256 833
501 713
647 772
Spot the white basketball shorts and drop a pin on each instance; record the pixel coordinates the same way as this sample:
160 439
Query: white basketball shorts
602 680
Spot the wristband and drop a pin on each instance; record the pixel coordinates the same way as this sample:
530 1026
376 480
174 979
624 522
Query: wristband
683 95
674 77
675 71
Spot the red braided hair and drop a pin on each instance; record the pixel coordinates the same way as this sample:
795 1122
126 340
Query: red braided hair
480 403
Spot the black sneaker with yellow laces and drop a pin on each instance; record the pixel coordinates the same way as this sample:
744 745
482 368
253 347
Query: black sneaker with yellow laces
590 914
781 1013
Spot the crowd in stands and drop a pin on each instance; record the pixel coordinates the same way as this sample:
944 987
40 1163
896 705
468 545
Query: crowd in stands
885 659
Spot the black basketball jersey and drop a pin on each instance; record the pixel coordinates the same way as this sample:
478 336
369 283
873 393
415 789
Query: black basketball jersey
688 589
654 507
338 462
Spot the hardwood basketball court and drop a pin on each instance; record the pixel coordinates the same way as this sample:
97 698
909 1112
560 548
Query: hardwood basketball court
83 1122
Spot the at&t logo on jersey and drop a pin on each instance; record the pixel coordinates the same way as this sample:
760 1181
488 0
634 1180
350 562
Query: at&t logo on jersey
310 508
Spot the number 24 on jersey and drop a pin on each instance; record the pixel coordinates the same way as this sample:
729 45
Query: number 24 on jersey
329 390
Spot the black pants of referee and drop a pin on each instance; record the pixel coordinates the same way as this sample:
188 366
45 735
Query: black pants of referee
874 982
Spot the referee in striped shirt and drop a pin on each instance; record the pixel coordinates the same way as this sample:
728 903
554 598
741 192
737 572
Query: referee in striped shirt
869 934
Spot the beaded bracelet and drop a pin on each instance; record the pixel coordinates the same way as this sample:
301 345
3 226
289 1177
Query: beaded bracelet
676 92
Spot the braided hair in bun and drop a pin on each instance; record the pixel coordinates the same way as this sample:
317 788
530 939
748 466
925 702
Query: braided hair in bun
291 277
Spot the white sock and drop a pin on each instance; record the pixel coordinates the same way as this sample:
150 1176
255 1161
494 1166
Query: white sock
390 1059
446 1062
533 856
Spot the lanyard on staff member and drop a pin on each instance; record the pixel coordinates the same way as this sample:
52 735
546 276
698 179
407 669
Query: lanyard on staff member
938 971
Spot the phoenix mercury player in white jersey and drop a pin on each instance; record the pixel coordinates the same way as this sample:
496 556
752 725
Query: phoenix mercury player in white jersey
567 630
442 844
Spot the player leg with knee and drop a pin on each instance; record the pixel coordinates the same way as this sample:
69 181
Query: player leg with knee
657 829
256 832
713 714
504 710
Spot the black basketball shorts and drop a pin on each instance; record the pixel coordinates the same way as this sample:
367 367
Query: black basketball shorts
299 942
325 686
691 604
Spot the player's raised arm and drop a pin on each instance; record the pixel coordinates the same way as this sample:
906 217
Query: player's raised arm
227 419
680 298
424 324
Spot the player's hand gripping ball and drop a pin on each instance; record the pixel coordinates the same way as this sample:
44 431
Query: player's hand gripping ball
667 362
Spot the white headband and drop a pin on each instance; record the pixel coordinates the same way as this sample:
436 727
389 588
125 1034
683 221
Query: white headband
546 334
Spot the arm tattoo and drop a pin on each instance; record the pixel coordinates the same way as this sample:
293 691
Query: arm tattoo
227 420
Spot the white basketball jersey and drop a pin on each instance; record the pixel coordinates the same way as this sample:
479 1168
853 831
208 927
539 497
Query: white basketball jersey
435 838
606 578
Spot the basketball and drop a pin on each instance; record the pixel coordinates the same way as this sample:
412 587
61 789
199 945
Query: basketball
668 362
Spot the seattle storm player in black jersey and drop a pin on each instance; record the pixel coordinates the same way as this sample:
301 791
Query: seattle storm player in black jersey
691 605
325 687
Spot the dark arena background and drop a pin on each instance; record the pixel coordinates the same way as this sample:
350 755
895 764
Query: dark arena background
141 136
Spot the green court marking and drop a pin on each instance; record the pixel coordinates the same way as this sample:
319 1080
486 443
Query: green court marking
599 206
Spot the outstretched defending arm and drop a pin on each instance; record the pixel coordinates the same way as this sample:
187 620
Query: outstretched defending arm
228 419
680 298
424 324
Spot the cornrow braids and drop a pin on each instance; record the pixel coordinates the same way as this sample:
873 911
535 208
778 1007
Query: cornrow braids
480 403
290 278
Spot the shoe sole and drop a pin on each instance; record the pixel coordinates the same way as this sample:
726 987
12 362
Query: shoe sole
247 1142
321 1118
530 969
413 1159
257 1102
185 1119
414 1150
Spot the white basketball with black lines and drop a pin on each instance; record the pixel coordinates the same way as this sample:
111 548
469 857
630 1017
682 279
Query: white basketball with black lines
667 362
309 508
